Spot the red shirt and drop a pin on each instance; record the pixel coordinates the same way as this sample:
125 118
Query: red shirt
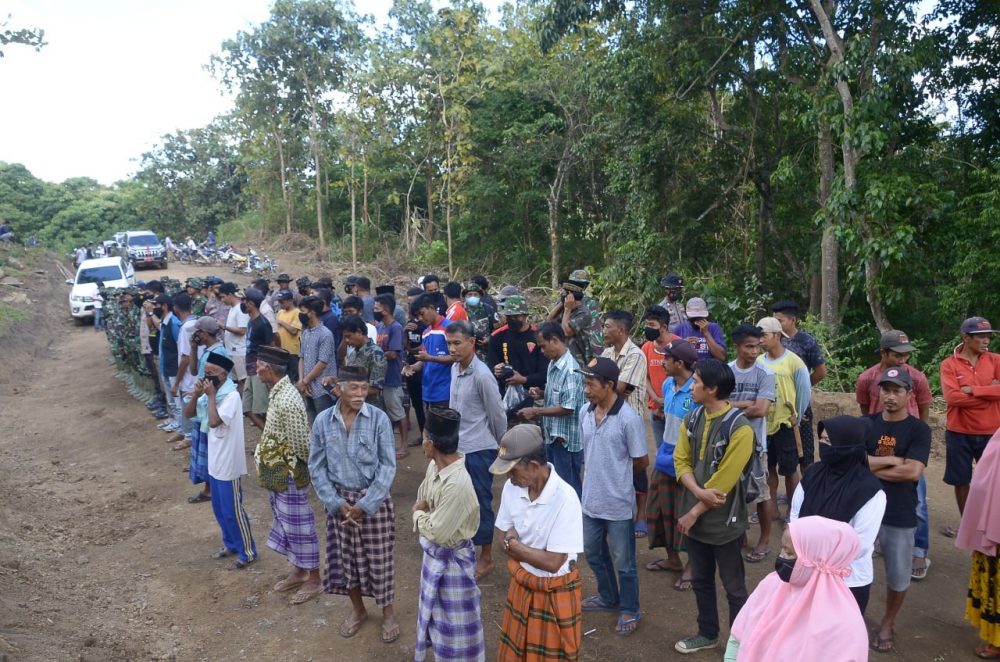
978 413
867 394
456 312
654 369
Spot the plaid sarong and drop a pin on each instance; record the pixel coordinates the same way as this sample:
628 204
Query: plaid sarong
662 512
361 557
293 532
543 617
448 617
198 457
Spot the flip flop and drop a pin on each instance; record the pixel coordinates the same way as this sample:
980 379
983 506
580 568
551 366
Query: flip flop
880 642
754 518
662 565
641 530
239 564
350 628
627 625
920 573
305 595
198 498
594 603
682 585
949 531
287 584
391 634
988 652
756 556
402 454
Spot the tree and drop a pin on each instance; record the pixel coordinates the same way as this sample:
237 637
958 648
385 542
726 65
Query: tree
33 37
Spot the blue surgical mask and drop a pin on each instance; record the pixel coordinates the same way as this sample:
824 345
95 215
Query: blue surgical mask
472 301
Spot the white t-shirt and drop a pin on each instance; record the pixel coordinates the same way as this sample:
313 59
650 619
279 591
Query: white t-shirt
268 312
184 349
553 521
227 457
98 301
236 344
866 523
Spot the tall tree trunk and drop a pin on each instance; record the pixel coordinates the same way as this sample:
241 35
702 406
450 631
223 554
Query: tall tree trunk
354 217
364 190
554 198
430 202
319 194
765 221
286 202
829 312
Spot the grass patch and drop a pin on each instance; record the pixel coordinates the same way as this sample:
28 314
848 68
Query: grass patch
9 316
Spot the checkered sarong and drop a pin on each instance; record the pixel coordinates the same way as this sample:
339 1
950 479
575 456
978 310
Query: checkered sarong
198 457
662 512
543 618
448 617
293 532
361 557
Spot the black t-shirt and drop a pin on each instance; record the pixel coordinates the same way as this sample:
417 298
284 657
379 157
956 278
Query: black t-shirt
259 334
911 439
519 350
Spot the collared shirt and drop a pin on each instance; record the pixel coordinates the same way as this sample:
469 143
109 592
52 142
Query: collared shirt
217 309
476 396
184 349
285 438
553 521
317 345
227 455
564 388
678 314
868 395
677 403
369 357
608 450
454 509
632 368
364 458
977 412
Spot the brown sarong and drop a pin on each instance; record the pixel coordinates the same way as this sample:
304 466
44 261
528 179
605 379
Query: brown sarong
362 557
662 512
543 618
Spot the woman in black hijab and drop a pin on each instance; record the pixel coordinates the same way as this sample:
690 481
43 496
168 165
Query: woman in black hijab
842 487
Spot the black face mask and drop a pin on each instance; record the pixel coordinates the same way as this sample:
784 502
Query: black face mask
214 379
304 319
651 333
784 568
515 324
243 308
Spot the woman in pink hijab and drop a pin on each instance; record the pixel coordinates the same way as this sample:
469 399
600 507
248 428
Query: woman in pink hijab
979 533
804 610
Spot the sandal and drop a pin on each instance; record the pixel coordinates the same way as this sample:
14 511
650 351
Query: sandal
879 643
239 564
988 652
390 632
594 603
287 584
754 518
198 498
663 565
223 553
627 624
756 556
641 530
402 454
305 595
920 572
949 531
682 584
182 445
349 627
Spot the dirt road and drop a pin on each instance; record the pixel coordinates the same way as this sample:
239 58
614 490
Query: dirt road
102 558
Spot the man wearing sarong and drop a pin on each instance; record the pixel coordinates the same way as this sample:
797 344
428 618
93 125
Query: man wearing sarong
446 516
282 458
352 463
542 525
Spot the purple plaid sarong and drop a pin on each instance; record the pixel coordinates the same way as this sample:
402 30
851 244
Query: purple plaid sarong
198 457
293 532
362 557
448 617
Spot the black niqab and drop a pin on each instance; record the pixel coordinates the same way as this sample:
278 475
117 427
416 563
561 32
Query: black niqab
841 483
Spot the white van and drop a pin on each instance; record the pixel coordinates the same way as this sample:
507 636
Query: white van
112 271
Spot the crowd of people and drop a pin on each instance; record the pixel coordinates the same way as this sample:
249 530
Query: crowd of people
561 405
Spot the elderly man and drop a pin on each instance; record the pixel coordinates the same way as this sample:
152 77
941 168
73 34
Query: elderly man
474 394
282 459
352 463
445 517
542 526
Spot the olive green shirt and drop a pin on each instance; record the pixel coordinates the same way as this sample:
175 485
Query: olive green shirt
454 508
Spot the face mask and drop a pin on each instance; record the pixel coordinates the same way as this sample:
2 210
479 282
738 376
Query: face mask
214 379
842 458
472 301
784 568
243 308
514 324
651 334
304 319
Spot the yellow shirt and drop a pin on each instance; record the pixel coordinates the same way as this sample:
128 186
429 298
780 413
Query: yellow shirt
291 343
454 508
730 468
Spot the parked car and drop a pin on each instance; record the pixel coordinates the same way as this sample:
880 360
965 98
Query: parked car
112 271
143 249
120 238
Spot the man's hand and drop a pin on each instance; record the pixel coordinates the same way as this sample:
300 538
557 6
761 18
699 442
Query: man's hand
327 381
175 389
536 393
497 369
199 388
517 378
572 303
210 388
967 389
421 504
422 355
702 324
712 497
528 413
685 523
351 515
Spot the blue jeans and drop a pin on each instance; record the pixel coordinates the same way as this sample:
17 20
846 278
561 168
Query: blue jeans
610 547
478 466
97 320
568 465
922 538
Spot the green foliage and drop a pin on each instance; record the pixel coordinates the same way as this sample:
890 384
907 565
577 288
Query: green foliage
847 352
9 316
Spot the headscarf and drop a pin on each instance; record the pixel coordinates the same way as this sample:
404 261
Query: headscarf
841 483
814 612
980 527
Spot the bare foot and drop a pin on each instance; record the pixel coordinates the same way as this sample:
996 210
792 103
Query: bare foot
483 569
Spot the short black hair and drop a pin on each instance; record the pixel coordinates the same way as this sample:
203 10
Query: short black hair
155 286
387 301
453 290
313 303
182 302
718 375
481 281
262 285
622 317
324 294
423 301
363 283
460 327
744 331
414 292
552 330
658 313
354 324
786 307
446 444
353 301
431 278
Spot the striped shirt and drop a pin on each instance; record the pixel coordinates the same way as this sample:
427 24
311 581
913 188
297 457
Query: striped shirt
564 388
632 368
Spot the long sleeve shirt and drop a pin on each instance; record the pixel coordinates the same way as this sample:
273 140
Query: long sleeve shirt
474 394
454 510
978 412
364 458
730 468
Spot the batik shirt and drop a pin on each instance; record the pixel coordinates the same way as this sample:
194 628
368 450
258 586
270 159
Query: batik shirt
283 448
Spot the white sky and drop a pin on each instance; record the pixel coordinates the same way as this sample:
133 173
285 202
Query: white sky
115 76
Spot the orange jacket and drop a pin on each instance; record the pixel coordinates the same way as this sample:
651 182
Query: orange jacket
978 413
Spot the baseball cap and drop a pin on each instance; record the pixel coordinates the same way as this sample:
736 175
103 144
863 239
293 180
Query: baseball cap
601 367
696 307
255 295
770 325
472 287
285 295
672 279
896 341
163 298
514 305
207 324
520 440
897 376
682 351
977 325
141 284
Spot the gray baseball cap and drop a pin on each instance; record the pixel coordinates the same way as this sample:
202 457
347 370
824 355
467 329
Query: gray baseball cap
517 442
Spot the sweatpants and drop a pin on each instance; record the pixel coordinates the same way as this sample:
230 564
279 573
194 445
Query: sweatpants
227 504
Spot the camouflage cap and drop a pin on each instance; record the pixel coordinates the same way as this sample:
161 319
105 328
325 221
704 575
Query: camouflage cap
195 282
303 281
514 305
579 276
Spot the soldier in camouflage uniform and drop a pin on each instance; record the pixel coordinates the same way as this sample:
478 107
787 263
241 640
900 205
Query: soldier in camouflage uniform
580 317
482 316
198 300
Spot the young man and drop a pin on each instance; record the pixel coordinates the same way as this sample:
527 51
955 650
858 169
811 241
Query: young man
514 346
453 298
754 395
807 348
663 510
482 316
475 396
216 400
706 337
318 359
354 306
445 517
970 380
542 526
282 458
894 351
363 290
898 451
390 340
560 412
170 329
289 328
184 383
235 337
352 463
673 286
614 447
792 394
259 334
433 360
656 322
713 450
364 354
